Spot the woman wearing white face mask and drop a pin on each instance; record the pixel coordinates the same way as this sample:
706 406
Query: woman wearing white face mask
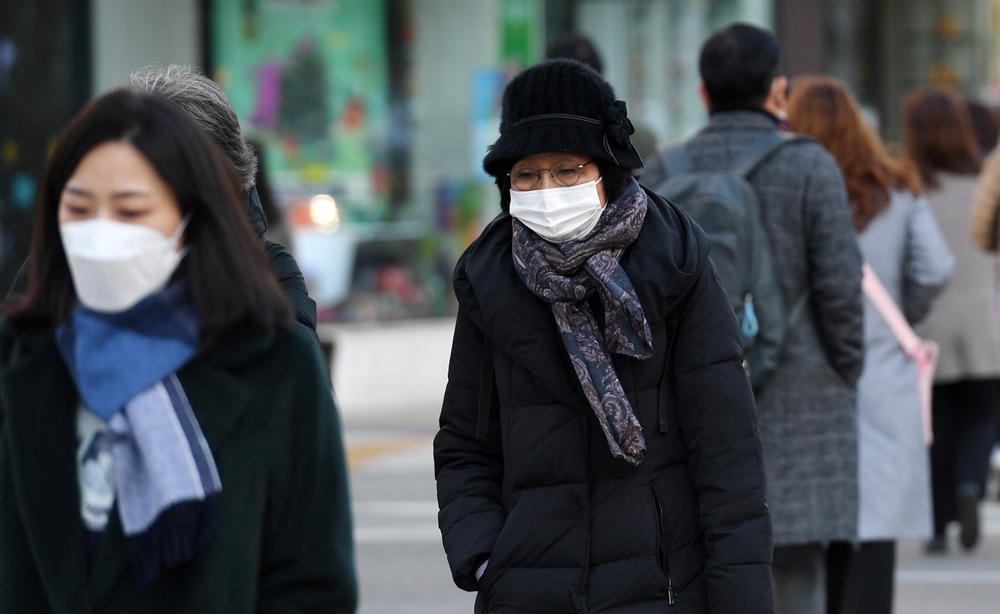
598 448
169 442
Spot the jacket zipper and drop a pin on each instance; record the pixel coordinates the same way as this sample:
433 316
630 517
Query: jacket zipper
661 562
582 589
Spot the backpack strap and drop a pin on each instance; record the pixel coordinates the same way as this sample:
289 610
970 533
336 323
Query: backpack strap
676 160
487 389
760 150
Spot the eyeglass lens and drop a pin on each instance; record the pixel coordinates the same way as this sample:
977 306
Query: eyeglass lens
564 174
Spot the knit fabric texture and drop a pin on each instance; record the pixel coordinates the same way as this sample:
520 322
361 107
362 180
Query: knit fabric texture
561 106
565 276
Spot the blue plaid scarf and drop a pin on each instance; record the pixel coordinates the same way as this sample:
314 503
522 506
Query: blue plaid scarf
565 275
124 365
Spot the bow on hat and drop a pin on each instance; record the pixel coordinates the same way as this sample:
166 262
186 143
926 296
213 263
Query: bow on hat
619 125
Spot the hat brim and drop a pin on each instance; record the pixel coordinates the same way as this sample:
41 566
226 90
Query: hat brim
556 135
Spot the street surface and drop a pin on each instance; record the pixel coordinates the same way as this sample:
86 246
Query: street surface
402 567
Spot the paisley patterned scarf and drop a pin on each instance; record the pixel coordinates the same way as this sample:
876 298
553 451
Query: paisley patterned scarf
565 275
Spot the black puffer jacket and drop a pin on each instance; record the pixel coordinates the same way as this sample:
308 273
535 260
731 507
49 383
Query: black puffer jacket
524 474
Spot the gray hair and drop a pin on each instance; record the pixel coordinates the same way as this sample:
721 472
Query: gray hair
205 102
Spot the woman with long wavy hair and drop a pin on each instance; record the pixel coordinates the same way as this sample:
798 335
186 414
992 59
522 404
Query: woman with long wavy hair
902 243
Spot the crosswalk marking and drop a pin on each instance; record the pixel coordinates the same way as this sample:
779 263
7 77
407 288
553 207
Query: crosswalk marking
948 576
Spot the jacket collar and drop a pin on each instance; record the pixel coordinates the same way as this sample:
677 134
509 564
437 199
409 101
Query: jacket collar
255 211
741 119
662 264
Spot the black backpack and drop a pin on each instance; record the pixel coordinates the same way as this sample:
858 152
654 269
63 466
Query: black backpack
725 205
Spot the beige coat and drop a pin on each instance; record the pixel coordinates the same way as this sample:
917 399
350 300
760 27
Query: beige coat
964 318
985 224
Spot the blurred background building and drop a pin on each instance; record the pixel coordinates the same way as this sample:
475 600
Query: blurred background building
374 115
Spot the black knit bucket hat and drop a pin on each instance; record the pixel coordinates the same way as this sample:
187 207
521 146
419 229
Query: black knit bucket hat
565 106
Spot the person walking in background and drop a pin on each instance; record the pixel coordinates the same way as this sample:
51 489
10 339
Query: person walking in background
169 442
807 409
580 48
985 223
598 448
901 241
985 125
940 142
205 102
277 228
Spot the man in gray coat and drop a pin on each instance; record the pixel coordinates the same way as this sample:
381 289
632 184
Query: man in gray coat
807 410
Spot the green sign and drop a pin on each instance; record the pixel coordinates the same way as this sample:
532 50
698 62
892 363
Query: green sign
309 79
522 24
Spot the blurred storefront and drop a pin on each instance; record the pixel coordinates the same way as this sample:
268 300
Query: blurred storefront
374 115
44 80
884 49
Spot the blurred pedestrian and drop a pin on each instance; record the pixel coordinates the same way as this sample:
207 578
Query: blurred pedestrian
940 141
985 125
985 224
902 243
203 100
580 48
598 448
170 442
277 229
807 409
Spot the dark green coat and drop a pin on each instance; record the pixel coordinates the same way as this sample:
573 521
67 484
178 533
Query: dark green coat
284 533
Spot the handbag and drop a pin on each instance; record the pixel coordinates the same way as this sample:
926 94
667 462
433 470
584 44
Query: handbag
923 352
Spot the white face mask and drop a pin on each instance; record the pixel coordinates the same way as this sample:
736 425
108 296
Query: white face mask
560 214
116 264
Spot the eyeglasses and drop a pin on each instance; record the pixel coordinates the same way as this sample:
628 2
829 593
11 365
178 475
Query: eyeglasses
564 174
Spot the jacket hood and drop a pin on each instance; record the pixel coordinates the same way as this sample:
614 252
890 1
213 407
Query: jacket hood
255 211
662 264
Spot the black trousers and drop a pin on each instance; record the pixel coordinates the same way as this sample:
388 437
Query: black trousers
966 419
859 578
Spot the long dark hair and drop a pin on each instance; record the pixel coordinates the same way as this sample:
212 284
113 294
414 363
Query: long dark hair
229 274
939 135
825 109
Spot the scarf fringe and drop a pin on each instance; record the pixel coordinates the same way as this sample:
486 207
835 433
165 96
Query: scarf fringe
179 534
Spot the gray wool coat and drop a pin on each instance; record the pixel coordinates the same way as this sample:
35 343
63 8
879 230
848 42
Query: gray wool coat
964 319
906 249
807 412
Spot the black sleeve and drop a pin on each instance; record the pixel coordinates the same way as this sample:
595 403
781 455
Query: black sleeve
21 586
294 284
468 469
307 563
718 424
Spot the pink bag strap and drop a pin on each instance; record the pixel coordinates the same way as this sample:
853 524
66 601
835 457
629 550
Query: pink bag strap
923 352
877 293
